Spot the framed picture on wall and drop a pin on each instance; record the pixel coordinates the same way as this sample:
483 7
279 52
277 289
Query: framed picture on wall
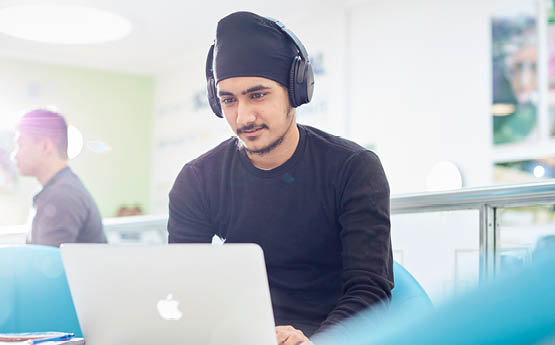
514 79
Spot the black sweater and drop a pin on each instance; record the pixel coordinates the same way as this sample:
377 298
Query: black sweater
322 219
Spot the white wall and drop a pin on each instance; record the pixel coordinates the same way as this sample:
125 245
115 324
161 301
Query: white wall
183 128
421 87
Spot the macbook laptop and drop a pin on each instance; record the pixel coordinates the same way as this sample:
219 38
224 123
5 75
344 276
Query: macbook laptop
196 294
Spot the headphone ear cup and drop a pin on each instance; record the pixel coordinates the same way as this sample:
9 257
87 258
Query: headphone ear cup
293 81
213 98
309 82
300 88
211 84
301 82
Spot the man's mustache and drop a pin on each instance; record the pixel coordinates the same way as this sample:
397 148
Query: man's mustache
250 127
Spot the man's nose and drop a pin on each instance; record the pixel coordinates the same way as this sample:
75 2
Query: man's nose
245 114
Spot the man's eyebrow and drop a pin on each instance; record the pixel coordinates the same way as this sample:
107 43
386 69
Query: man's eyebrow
255 88
247 91
224 93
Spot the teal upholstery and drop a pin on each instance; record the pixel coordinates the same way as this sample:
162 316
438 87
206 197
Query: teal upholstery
408 300
515 309
407 292
34 294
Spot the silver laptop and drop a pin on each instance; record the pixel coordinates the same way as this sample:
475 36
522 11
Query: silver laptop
196 294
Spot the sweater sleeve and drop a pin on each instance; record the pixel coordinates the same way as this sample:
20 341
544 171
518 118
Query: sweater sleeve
363 214
189 220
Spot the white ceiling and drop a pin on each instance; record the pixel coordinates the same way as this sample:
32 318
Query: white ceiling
163 30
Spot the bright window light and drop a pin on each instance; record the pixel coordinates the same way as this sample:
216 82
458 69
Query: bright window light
63 24
539 171
444 175
74 141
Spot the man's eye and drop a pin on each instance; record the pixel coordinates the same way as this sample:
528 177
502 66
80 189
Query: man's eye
258 95
226 100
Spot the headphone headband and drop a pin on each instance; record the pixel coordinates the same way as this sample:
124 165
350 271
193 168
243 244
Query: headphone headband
294 38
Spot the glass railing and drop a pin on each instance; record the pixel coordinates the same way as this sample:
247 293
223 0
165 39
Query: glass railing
150 229
452 241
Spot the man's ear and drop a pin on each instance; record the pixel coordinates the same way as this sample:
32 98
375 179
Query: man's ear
46 146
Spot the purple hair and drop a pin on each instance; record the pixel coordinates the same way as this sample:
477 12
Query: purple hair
42 123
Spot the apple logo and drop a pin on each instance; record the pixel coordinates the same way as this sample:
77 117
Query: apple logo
168 308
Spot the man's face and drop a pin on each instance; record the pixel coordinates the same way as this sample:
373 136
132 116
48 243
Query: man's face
258 111
28 155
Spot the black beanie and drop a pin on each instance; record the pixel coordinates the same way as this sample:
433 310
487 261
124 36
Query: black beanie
248 45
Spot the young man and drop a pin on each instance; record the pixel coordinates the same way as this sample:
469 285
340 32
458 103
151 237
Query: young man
317 204
64 209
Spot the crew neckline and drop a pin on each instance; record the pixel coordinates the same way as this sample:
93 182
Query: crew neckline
277 171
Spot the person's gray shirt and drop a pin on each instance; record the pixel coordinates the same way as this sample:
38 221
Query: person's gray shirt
65 212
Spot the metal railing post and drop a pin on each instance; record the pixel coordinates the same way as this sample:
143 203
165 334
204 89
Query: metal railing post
488 239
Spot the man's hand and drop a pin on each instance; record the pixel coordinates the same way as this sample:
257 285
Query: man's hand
288 335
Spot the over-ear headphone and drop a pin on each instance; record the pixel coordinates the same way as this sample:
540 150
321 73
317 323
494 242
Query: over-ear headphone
301 77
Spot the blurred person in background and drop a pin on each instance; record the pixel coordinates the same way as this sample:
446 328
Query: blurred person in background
64 211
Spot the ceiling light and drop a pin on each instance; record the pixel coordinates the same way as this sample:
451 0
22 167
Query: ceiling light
63 24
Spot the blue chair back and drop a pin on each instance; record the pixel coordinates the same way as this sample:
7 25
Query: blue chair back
514 309
34 294
408 293
408 300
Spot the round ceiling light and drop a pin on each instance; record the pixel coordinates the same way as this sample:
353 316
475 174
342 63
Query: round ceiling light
63 24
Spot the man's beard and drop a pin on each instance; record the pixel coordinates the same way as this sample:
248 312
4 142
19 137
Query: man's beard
269 148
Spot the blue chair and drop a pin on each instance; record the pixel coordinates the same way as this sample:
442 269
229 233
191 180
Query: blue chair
408 293
34 294
408 299
514 309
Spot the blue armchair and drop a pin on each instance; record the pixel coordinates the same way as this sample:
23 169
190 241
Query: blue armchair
408 301
34 294
515 309
408 293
